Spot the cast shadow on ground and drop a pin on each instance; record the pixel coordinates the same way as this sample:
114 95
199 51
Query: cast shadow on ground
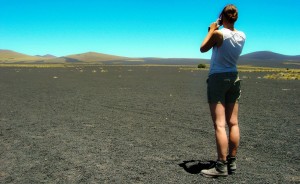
195 166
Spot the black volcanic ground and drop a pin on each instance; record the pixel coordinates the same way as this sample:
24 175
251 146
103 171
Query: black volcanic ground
112 124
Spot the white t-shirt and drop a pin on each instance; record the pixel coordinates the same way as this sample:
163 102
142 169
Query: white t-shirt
224 58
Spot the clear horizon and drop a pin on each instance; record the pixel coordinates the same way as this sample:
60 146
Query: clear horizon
141 29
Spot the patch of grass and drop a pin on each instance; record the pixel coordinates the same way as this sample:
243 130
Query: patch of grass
246 68
16 65
284 76
291 63
276 73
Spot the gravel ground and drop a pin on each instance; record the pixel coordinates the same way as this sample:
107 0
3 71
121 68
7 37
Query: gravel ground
138 124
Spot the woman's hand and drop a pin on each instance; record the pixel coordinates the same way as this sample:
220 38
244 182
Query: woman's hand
214 26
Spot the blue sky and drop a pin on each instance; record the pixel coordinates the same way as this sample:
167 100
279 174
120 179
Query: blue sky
137 28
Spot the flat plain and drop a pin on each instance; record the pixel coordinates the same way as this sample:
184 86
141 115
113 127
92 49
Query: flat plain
139 124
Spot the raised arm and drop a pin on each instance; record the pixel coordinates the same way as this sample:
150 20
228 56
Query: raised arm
213 37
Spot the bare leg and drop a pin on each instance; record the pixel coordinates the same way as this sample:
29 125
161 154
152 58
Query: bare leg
234 130
219 119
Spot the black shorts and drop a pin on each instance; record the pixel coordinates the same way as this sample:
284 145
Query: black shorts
223 88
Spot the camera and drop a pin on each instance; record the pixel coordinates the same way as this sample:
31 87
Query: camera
220 21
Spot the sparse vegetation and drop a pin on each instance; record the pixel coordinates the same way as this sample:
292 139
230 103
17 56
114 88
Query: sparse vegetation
33 65
284 75
247 68
275 73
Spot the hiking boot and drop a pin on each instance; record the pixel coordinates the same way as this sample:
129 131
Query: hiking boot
231 164
220 169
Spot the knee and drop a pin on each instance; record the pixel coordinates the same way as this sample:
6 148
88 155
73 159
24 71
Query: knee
219 126
232 122
233 126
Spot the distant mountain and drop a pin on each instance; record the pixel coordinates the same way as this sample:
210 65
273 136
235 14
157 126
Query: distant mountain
49 56
270 59
89 57
267 55
8 56
94 57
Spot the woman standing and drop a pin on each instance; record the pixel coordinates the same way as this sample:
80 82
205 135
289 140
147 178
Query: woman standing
223 88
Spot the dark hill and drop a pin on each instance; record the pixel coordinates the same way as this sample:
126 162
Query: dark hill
267 55
270 59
